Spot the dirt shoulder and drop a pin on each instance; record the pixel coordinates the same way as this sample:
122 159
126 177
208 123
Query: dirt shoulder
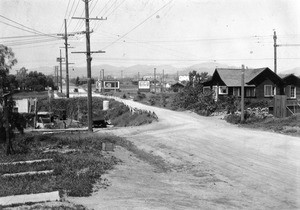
214 165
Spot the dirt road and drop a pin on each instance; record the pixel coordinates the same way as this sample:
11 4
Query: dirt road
214 165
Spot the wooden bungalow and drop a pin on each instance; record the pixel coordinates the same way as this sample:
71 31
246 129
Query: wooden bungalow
261 83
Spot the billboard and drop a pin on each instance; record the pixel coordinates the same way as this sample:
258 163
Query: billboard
144 85
111 85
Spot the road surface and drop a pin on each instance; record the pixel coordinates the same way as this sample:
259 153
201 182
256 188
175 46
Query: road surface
214 165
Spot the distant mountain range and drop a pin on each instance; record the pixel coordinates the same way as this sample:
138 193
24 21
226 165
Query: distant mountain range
143 70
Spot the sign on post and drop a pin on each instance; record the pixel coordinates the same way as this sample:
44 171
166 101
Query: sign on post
144 86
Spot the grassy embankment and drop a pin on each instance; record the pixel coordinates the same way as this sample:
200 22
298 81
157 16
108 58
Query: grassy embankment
78 163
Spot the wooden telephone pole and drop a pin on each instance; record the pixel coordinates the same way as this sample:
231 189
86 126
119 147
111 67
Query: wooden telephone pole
243 94
88 62
275 51
60 69
67 60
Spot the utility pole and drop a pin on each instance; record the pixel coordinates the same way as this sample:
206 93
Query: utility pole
60 68
88 62
154 80
103 80
121 74
163 80
138 78
275 52
89 70
56 75
242 94
67 60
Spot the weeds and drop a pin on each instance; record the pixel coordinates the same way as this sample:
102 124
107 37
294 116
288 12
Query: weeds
74 172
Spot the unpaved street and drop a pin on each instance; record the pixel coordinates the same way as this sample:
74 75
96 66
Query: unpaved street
214 165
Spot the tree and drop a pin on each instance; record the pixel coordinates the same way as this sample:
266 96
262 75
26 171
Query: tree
37 81
8 119
77 81
21 78
192 96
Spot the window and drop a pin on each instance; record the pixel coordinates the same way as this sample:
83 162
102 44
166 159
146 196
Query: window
269 91
250 92
223 90
236 91
292 92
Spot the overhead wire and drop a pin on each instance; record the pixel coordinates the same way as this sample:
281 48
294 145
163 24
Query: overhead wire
25 36
95 25
70 12
63 23
74 11
31 30
138 25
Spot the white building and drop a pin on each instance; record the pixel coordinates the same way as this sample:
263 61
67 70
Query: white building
184 78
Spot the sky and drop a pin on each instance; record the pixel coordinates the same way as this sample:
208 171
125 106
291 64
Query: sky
157 32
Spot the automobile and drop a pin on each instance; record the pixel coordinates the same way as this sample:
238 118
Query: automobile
44 120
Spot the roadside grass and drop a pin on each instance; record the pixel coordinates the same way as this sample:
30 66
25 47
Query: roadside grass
288 125
30 94
75 172
156 161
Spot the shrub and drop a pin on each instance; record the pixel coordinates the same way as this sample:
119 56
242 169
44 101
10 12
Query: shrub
233 118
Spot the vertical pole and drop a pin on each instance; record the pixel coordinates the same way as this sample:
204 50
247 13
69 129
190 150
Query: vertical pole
138 76
163 81
6 125
275 52
103 80
89 71
60 68
154 80
56 75
67 60
242 94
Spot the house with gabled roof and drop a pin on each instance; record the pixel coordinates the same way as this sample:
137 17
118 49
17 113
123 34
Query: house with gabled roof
261 83
292 86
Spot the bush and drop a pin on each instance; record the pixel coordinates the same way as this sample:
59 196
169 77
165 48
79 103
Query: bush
140 96
233 118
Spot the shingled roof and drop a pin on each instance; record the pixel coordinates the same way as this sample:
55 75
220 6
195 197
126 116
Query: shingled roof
232 77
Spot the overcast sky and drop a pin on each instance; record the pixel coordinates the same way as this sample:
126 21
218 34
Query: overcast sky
178 32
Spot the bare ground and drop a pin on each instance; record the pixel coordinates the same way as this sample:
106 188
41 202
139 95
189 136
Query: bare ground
213 165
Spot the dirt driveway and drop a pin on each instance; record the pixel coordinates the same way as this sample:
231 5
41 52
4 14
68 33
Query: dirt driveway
214 165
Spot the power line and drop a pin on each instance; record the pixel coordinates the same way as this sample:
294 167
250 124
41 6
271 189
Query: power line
21 37
68 19
34 42
33 30
27 40
102 11
67 9
141 23
74 11
184 60
93 7
99 24
78 22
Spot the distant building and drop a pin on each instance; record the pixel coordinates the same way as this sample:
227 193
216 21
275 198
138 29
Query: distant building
25 105
150 77
183 78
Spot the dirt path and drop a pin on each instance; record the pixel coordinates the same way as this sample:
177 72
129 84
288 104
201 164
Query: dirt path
215 165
